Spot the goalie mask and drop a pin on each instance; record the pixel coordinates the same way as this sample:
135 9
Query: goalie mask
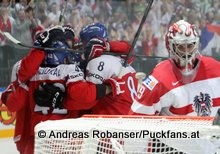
182 43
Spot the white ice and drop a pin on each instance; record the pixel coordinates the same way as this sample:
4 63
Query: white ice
7 146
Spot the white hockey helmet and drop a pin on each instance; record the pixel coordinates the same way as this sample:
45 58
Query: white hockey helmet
182 42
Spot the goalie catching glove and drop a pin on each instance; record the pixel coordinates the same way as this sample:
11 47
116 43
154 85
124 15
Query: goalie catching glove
116 85
50 95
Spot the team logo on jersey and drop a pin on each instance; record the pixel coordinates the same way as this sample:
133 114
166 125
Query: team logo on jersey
150 82
202 104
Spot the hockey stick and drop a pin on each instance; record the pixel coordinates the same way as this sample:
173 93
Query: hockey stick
138 32
139 75
15 41
62 13
176 11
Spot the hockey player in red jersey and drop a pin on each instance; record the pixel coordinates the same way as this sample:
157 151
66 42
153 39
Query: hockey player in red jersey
15 97
186 84
102 68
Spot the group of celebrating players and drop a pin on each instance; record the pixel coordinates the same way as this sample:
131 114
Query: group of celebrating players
58 84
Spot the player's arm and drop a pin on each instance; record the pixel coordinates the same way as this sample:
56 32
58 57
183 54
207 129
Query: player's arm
18 99
82 95
15 96
31 63
16 93
99 45
79 95
119 47
148 100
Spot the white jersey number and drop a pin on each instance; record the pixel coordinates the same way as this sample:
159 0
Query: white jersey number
131 87
45 110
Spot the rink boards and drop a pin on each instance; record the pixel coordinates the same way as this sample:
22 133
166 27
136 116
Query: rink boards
7 120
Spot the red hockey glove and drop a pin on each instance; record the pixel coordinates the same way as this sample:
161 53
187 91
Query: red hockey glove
7 92
116 85
94 48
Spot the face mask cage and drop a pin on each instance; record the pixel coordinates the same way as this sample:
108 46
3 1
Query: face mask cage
186 58
184 55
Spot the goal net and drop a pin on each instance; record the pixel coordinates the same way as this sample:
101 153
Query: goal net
128 135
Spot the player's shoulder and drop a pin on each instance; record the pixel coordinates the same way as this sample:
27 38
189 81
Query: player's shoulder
164 67
163 72
163 64
209 60
15 69
59 70
17 65
107 59
67 66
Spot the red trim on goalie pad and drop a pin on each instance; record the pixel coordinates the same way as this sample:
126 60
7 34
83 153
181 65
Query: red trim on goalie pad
150 117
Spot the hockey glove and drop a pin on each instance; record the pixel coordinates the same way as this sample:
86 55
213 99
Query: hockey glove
46 38
6 93
116 85
69 35
94 48
50 95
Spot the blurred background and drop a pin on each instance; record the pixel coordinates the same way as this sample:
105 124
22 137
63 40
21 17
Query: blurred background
23 18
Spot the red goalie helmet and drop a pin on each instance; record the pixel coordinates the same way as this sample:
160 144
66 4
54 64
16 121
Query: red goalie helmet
182 42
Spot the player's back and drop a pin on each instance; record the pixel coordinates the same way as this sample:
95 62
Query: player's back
59 74
105 67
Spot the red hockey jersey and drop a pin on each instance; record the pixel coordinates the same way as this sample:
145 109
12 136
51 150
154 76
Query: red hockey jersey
163 93
17 101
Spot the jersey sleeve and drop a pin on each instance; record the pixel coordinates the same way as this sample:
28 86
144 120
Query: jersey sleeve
81 95
73 74
15 96
119 47
30 64
17 99
148 100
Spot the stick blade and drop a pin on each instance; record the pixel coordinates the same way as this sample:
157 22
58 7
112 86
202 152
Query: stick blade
11 38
